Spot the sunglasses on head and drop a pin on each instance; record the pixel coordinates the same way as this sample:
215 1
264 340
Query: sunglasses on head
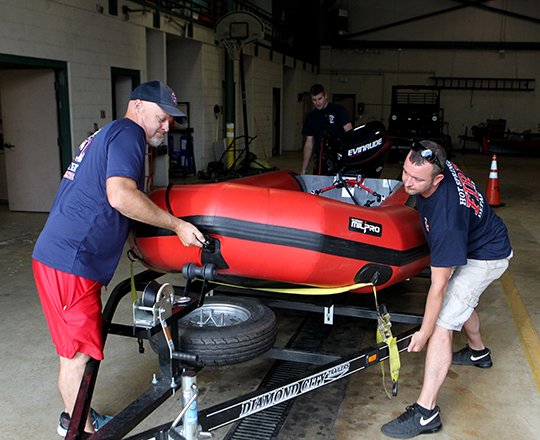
428 154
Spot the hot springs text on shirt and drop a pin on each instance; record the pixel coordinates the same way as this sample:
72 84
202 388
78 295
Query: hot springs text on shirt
293 390
469 195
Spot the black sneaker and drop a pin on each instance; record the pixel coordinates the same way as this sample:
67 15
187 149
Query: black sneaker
468 356
413 422
98 421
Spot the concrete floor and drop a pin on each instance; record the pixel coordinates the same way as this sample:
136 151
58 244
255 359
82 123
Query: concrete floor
502 402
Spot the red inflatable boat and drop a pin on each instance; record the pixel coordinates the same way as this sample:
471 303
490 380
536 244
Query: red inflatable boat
277 229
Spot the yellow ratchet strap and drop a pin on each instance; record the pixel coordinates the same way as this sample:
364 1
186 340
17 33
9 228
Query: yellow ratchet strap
134 296
384 335
302 290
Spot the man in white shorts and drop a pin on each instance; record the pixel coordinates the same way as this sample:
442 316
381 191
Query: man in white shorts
469 249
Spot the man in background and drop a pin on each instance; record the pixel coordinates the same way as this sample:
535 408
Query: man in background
326 120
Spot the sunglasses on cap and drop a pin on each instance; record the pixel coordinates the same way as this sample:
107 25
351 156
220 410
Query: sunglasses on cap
428 154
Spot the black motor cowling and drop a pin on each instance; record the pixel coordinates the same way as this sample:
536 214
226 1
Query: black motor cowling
361 150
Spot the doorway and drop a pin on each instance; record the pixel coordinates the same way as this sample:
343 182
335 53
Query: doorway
36 130
123 81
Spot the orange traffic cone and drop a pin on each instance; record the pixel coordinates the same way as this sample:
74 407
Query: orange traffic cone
493 185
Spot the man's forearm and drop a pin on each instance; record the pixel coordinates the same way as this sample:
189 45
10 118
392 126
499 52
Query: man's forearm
124 196
431 312
308 151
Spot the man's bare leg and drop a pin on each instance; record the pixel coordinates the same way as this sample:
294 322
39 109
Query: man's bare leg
471 328
438 361
69 380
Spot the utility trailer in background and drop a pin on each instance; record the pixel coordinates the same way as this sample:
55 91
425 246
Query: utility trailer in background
416 115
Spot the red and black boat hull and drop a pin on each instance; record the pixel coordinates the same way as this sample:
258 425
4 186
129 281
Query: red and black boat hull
268 231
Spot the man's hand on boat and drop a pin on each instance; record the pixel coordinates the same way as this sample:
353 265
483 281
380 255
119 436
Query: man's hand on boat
188 234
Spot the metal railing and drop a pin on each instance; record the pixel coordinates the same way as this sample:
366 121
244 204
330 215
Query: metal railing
277 36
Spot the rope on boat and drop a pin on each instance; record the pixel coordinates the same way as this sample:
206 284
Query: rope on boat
344 182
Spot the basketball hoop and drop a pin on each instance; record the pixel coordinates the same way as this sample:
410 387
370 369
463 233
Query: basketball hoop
236 29
233 48
233 31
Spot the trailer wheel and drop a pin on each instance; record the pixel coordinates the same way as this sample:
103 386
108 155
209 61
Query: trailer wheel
225 331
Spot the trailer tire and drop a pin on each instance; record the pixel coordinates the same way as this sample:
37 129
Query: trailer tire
225 331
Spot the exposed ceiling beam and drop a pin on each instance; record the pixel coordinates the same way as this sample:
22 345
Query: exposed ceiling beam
516 15
440 45
465 4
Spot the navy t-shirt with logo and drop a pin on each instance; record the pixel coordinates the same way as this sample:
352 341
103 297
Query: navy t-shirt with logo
84 235
330 120
459 223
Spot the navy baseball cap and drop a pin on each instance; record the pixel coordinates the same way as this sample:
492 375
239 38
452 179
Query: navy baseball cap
161 94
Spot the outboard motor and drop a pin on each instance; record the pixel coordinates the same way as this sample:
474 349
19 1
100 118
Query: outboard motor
362 150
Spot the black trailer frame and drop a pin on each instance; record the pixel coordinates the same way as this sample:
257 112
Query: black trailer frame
174 366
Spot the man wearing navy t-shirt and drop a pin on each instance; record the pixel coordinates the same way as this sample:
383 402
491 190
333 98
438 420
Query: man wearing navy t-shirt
80 246
469 248
325 120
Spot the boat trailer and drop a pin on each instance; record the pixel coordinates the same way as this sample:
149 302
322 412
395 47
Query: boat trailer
158 310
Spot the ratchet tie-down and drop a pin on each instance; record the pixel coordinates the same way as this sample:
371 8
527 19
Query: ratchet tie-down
384 335
384 325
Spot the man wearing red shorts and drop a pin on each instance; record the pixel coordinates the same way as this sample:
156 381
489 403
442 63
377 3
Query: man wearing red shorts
80 246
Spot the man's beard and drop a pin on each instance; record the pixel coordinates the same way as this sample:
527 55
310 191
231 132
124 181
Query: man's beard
410 191
156 140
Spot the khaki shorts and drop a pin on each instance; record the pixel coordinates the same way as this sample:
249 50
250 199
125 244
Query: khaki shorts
466 285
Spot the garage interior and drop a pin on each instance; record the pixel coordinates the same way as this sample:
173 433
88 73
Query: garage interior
481 58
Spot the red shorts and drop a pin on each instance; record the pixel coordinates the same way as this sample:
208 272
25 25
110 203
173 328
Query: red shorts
72 307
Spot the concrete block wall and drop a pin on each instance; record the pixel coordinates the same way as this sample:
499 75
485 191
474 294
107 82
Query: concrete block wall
296 103
195 71
184 75
90 42
263 75
212 130
264 72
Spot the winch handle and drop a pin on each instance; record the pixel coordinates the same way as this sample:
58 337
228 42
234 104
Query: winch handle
192 359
